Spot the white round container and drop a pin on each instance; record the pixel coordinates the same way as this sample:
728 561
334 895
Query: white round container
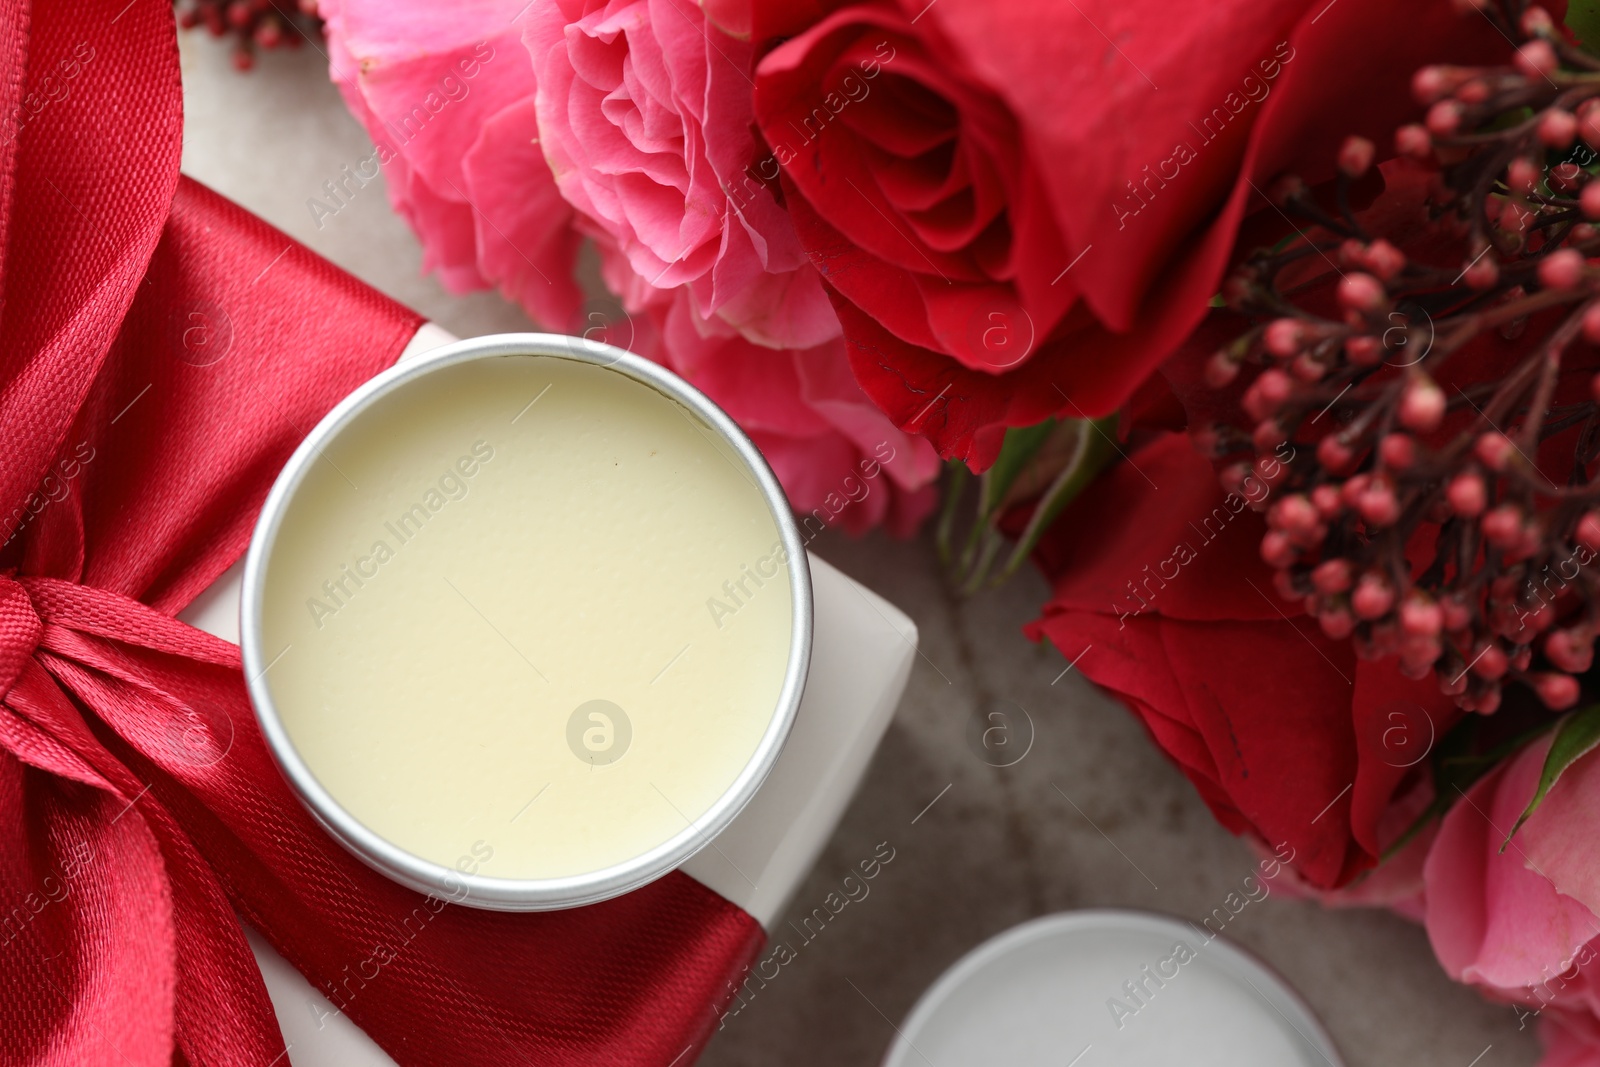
1045 994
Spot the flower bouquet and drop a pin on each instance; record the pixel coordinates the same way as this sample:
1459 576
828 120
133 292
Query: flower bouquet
1269 337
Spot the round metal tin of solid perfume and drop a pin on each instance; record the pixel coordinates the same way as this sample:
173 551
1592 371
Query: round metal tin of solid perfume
526 621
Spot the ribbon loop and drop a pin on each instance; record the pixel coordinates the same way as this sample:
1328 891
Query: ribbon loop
20 630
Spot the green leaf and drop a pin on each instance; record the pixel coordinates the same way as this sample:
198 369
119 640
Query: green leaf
1583 19
1577 736
1094 449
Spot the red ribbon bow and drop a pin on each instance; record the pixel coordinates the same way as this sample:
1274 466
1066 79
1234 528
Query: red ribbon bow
161 354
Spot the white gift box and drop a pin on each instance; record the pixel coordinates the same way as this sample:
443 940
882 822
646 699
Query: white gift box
861 659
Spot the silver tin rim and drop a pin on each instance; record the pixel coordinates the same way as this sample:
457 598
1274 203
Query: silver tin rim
476 890
1235 959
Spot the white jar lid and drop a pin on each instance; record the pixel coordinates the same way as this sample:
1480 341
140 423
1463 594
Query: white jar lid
1111 989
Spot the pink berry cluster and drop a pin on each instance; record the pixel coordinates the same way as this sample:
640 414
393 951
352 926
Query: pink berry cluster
252 23
1410 517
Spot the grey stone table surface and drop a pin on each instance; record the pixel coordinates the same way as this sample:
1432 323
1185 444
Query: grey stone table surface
1094 816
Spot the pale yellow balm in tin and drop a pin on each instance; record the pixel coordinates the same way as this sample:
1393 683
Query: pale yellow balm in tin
526 622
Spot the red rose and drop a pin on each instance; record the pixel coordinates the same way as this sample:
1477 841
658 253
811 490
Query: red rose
1021 208
1161 598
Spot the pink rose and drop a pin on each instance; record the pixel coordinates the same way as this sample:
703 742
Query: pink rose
1571 1039
447 94
1520 923
646 116
645 112
840 459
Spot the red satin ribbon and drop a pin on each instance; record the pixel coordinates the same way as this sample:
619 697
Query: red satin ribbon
161 353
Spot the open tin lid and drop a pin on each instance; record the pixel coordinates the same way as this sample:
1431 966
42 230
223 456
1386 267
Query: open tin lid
1105 988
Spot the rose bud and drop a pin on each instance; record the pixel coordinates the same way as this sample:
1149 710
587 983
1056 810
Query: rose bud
1536 22
1489 660
1452 681
1285 337
1350 495
1444 118
1307 368
1558 128
1352 253
1561 270
1420 615
1337 623
1591 317
1418 655
1398 450
1384 259
1272 472
1268 435
1588 532
1355 156
1565 177
1276 551
1232 478
1378 504
1570 650
1538 620
1293 514
1536 60
1422 404
1221 369
1334 454
1267 393
1331 576
1414 141
1482 273
1454 613
1473 91
1326 500
1364 350
1467 494
1494 450
1589 201
1514 219
1431 83
1522 175
1589 124
1502 526
1488 703
1558 691
1373 597
1361 292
